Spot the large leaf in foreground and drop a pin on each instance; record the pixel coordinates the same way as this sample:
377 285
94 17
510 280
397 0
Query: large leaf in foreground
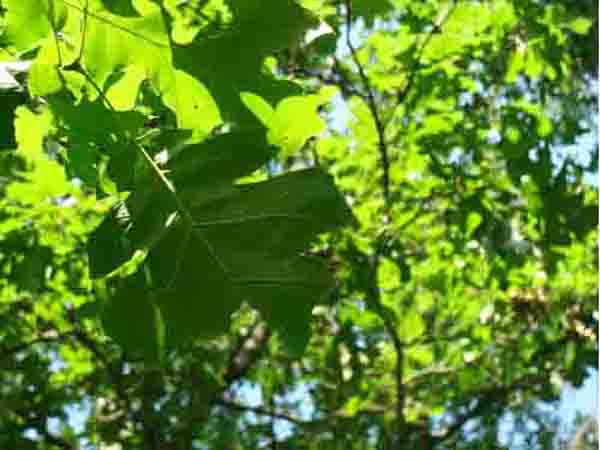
245 245
241 243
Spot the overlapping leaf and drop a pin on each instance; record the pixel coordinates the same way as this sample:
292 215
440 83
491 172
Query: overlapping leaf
210 244
243 243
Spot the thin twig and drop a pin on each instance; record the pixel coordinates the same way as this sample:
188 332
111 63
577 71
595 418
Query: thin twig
493 395
387 318
372 104
374 300
267 412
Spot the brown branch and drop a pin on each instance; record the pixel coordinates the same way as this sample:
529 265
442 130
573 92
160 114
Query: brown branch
246 354
375 298
372 104
261 411
486 397
589 426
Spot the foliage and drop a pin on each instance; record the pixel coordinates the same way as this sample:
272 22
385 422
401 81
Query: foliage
182 215
171 241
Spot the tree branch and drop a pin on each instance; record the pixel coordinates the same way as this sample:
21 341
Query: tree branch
246 354
372 104
486 397
373 299
375 296
261 411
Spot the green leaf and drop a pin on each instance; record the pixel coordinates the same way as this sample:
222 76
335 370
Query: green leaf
412 325
472 222
245 244
296 119
10 101
287 296
28 22
580 25
258 29
259 107
120 7
220 160
107 247
369 10
132 319
196 297
30 272
140 48
285 129
85 125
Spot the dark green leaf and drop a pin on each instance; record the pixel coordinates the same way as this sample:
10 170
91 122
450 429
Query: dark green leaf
132 319
107 247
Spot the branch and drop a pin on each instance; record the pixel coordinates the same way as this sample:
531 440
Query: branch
486 397
261 411
385 162
373 299
335 79
246 354
372 104
589 426
431 339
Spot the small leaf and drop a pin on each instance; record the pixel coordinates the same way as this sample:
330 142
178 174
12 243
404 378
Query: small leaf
369 10
580 25
259 107
12 102
473 221
412 325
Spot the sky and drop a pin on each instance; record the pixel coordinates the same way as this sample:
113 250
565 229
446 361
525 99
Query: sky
583 399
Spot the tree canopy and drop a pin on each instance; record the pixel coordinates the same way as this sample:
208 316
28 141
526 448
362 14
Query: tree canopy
303 224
